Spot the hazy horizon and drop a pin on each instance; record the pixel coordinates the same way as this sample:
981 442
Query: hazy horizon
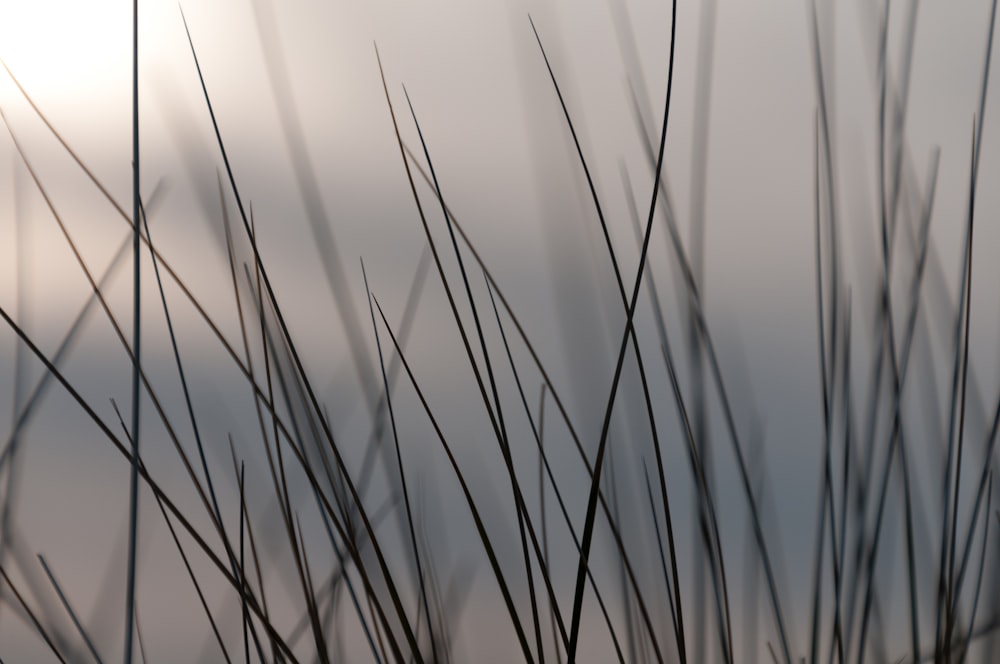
508 170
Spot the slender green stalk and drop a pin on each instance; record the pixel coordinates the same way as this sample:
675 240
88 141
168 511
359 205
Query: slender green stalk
136 339
589 522
69 609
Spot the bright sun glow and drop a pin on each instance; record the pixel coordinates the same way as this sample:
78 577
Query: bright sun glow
74 50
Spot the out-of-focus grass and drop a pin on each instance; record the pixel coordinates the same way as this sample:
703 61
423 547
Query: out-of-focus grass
318 524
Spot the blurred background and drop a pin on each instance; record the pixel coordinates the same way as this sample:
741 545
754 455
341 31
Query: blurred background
296 91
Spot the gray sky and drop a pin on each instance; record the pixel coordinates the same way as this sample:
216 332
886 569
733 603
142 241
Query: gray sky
506 166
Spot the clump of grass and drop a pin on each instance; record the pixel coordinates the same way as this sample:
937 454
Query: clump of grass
328 552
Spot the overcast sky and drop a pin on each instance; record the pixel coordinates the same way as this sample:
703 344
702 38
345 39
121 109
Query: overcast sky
506 165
